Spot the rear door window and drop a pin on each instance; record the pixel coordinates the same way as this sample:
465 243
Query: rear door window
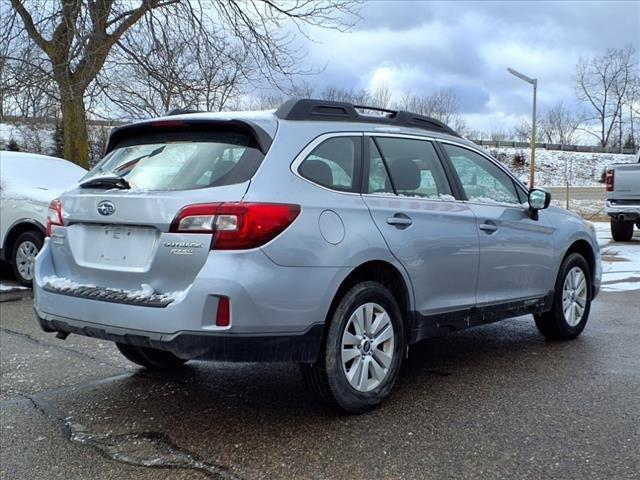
333 164
182 160
407 167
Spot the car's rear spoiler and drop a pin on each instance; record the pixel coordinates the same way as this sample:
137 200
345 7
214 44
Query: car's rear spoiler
262 138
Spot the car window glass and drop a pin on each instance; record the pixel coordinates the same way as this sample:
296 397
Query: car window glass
182 160
414 167
332 163
481 180
378 176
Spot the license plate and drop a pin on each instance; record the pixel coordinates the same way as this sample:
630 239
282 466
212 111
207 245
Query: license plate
120 246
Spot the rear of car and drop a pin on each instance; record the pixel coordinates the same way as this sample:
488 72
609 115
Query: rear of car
144 260
28 182
623 198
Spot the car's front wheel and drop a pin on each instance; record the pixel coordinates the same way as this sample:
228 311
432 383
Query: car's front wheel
23 257
150 358
571 303
361 356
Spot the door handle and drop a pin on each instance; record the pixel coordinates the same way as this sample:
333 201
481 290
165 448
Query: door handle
400 220
488 227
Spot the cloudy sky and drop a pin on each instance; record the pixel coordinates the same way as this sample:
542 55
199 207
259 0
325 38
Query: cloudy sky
422 47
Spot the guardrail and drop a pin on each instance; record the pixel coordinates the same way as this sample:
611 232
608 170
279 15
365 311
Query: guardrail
554 146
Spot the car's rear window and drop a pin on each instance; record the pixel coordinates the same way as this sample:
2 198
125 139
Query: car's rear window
182 160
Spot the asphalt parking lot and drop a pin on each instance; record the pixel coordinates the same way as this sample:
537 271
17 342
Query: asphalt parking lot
491 402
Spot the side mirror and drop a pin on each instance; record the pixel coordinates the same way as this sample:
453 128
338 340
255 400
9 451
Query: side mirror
538 200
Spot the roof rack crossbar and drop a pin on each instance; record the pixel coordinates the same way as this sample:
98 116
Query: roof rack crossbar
327 110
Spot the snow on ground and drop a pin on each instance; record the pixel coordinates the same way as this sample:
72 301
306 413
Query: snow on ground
592 210
553 166
620 261
7 286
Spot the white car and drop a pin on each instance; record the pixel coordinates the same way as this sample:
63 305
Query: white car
28 182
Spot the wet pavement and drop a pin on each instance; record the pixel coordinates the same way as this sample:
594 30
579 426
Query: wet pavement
491 402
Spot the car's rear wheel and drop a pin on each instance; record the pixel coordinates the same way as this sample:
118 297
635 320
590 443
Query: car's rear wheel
621 231
150 358
571 303
361 356
23 257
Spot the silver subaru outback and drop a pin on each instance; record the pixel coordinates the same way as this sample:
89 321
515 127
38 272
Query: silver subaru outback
318 233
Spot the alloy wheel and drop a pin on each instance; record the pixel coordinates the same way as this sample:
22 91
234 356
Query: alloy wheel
367 347
574 296
26 259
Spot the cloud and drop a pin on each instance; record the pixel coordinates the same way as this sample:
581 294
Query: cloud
422 47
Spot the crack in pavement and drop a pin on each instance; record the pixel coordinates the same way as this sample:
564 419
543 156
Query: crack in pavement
71 351
146 449
139 449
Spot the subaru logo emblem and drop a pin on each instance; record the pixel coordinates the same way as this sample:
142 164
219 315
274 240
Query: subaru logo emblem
106 208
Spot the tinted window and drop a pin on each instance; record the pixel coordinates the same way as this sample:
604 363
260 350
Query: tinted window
413 165
182 160
332 164
482 180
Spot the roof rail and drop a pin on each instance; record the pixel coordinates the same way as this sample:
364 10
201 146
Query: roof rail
326 110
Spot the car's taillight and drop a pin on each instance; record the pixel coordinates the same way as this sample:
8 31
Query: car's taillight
54 216
608 180
238 225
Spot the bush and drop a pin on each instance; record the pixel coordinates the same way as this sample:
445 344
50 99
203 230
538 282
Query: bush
13 146
519 160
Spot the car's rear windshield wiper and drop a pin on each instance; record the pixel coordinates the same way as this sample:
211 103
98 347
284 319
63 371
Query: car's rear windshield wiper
106 181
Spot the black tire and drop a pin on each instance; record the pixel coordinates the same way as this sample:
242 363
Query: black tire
326 378
150 358
34 238
552 324
621 231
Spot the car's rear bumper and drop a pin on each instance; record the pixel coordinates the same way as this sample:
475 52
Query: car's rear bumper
276 312
629 208
302 347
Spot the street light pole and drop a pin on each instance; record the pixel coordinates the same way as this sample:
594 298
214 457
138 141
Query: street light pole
532 169
534 82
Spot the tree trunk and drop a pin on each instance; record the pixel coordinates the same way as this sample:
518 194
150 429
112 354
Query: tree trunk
74 127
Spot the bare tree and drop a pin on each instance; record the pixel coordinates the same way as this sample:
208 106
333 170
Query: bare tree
602 82
632 107
381 96
158 68
77 37
522 131
441 105
337 94
559 125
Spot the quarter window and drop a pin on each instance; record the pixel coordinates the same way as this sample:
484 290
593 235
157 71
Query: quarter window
482 181
406 167
332 164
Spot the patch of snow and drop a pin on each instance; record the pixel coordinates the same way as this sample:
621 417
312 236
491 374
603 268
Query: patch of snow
60 283
446 197
5 287
146 291
620 261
